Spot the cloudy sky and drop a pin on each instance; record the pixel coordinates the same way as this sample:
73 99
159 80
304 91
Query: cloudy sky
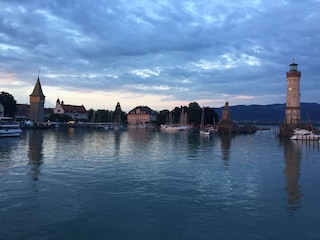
159 53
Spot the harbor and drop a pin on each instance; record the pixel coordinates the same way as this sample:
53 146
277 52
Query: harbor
159 120
67 183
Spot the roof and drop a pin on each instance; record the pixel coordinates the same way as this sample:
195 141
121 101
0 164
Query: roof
22 105
37 91
142 110
73 108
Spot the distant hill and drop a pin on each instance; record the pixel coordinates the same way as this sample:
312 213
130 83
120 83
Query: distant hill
273 113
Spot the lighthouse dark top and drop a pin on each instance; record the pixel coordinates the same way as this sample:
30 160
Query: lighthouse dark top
293 71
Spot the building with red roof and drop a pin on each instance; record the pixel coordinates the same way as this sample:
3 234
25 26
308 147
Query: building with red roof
141 115
74 111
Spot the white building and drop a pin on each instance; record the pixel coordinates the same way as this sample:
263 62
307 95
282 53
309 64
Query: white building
75 112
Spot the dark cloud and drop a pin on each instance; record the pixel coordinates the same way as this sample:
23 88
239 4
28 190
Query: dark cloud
189 50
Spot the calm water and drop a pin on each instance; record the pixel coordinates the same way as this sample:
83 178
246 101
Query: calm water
142 184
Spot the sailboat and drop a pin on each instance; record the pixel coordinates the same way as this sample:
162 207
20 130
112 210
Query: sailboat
183 121
180 127
203 130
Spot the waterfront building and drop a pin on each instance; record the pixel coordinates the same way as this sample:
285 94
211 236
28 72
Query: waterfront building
22 111
293 114
141 115
37 99
73 111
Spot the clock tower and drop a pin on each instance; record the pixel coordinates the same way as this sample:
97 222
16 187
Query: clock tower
293 114
37 103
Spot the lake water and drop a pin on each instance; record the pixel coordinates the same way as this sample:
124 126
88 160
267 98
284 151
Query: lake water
146 184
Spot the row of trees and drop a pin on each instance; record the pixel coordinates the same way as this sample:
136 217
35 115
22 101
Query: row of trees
194 115
193 112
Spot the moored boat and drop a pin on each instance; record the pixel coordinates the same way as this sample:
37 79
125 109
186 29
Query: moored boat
205 131
304 134
173 128
8 128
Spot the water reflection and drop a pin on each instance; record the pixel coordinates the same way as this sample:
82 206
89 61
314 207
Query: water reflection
292 155
137 135
225 147
35 154
6 148
117 142
193 145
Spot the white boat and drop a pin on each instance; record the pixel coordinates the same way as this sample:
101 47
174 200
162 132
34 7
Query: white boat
205 131
173 127
303 134
181 126
8 128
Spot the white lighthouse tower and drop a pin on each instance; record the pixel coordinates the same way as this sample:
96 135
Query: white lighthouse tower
293 114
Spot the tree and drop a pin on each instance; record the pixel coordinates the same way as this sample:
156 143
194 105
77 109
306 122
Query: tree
176 112
102 115
194 114
210 116
163 117
9 104
90 114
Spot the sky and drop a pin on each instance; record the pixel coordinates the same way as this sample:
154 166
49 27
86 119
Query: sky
159 53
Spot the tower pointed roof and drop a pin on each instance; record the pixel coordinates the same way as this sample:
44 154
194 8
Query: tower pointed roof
37 91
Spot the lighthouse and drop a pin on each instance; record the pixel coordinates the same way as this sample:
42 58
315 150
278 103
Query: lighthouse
293 114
